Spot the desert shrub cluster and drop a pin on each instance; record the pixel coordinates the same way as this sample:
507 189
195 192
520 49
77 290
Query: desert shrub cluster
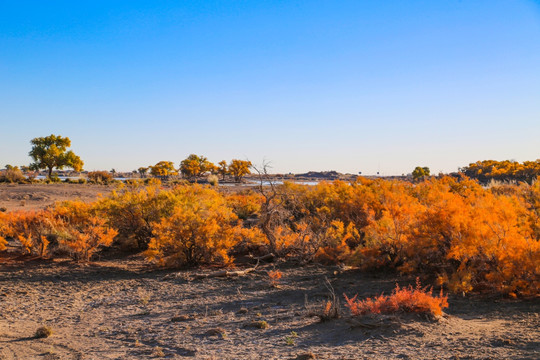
469 237
473 238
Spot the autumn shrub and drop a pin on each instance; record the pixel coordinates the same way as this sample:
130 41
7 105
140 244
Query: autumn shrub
244 204
201 230
100 177
474 238
4 223
34 229
402 300
12 175
134 210
81 230
297 223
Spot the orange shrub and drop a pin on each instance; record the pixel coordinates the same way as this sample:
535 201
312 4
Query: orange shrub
473 237
3 230
201 230
415 300
34 229
134 210
83 232
245 204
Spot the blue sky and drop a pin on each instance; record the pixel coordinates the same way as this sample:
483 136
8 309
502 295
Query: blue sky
307 85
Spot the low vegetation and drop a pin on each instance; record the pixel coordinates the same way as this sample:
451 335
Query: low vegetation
472 238
409 300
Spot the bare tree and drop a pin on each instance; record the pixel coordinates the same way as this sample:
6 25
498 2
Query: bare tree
272 206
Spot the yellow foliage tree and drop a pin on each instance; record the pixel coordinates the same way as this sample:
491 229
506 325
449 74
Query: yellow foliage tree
195 166
51 152
239 168
163 169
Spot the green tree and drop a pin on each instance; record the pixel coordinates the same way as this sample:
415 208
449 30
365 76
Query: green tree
142 171
419 172
51 152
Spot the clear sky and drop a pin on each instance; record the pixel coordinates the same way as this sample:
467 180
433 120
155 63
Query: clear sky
308 85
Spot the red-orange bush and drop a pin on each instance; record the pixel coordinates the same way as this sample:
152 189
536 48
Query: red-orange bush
33 229
409 299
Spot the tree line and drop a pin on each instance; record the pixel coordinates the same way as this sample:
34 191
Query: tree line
51 152
196 166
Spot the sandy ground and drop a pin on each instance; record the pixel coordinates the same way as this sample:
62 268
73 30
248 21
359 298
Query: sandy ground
123 309
39 196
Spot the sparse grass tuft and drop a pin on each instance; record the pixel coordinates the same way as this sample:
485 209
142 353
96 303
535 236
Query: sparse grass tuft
158 352
219 332
330 311
242 311
290 339
260 324
43 332
306 356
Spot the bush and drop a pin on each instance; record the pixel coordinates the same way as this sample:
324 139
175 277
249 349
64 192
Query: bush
81 230
213 180
244 204
201 230
100 177
4 223
34 229
12 175
133 211
415 300
43 332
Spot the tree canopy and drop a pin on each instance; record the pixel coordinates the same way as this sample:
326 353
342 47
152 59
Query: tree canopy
163 168
195 166
51 152
506 170
239 168
419 172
